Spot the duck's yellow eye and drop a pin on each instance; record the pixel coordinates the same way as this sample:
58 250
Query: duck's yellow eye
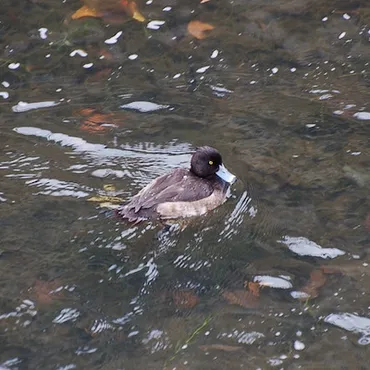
210 163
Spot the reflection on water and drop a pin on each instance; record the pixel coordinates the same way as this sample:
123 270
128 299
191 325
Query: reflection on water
92 109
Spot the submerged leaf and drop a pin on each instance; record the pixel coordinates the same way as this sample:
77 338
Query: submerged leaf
97 122
199 29
353 269
85 11
106 198
134 12
317 280
108 10
45 292
109 187
241 298
254 288
108 205
185 299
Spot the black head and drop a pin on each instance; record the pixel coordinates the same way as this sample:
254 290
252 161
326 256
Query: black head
205 161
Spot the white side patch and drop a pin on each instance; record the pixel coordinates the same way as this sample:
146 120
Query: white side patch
188 209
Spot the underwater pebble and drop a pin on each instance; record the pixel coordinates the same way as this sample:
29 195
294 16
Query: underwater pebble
299 346
88 65
176 76
346 16
274 70
324 19
5 83
4 94
293 69
341 35
167 9
133 56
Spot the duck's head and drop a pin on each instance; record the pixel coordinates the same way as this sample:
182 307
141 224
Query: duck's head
207 161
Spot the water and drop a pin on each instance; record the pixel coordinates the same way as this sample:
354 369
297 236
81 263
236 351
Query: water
93 109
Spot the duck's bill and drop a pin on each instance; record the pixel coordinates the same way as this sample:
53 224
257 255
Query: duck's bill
225 175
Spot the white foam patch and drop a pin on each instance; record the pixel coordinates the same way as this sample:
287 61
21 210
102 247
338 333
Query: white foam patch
113 39
362 115
155 25
80 52
305 247
144 106
24 106
43 33
214 54
14 65
202 69
299 295
273 281
353 323
220 91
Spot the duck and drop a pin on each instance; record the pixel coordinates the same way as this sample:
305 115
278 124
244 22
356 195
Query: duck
184 192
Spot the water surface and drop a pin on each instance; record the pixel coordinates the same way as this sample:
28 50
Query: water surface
95 108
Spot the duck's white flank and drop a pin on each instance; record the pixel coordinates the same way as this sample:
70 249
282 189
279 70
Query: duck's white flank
169 210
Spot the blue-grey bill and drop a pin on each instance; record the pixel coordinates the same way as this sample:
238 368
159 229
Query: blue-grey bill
226 175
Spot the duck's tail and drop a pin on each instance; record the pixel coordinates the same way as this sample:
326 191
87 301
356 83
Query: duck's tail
130 215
